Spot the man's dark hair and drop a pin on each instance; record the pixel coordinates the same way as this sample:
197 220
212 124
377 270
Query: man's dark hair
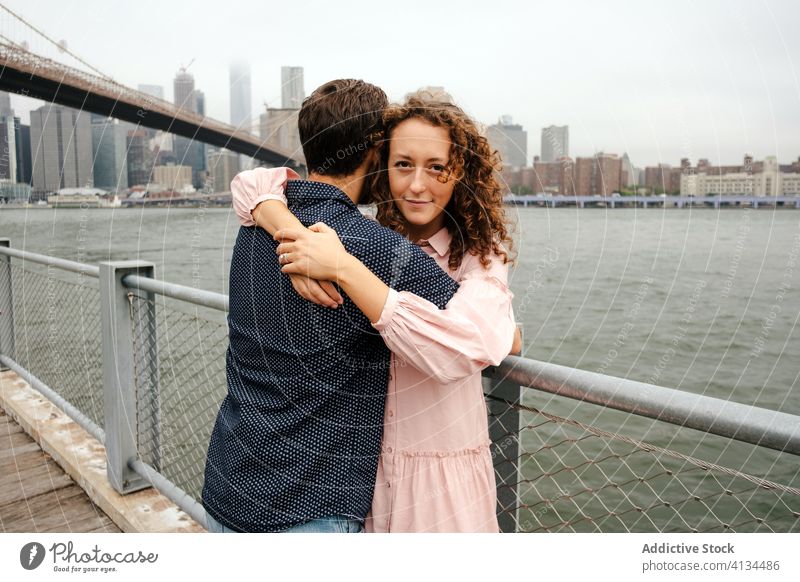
339 122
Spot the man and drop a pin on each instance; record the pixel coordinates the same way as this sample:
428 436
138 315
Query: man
297 438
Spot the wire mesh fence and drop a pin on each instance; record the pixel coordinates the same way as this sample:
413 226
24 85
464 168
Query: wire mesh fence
177 411
57 333
575 477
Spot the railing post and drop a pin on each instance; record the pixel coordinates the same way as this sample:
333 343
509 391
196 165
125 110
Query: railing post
504 431
6 305
122 422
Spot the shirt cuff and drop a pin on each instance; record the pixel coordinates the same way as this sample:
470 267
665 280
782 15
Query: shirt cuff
388 310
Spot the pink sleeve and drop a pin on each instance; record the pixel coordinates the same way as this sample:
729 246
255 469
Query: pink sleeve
475 330
251 187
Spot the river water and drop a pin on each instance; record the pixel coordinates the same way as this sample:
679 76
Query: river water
702 300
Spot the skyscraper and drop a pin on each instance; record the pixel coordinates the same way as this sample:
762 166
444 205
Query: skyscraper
8 148
189 152
109 154
292 92
555 142
199 102
510 140
240 92
183 91
23 143
5 104
61 139
139 158
8 139
278 128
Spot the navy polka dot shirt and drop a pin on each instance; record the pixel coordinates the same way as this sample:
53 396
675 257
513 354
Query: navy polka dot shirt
298 435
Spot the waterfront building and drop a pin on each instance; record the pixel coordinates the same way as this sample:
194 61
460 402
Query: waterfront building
223 165
61 139
554 177
599 175
83 198
292 90
173 177
555 142
12 192
240 96
109 144
662 179
510 140
769 181
611 174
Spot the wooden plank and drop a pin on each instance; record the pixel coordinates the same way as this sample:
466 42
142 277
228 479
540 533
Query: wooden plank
108 527
8 425
32 482
80 455
15 439
20 462
36 495
83 519
66 510
42 511
18 450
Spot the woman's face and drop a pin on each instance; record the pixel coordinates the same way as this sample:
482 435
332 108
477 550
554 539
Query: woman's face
418 157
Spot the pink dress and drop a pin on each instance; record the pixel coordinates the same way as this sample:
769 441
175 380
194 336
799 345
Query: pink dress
435 472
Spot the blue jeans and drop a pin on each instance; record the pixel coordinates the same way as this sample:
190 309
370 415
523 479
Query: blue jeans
333 524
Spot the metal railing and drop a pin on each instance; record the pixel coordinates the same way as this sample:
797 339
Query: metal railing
139 363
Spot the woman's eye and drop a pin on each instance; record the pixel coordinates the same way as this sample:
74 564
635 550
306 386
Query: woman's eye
402 164
438 168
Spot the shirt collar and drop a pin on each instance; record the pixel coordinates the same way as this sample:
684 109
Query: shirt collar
439 242
308 190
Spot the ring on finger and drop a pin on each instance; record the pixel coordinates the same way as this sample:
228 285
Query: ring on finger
283 259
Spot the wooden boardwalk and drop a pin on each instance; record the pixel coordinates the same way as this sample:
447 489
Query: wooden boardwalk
36 495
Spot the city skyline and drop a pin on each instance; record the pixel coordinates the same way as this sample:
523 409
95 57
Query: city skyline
661 82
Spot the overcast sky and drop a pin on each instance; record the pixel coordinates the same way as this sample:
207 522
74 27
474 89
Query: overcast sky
659 80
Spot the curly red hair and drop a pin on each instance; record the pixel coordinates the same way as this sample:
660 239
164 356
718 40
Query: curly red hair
475 216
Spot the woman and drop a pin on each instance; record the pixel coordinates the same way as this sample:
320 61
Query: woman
437 186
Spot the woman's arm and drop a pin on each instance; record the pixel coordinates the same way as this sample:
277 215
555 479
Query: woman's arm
318 253
474 331
259 199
